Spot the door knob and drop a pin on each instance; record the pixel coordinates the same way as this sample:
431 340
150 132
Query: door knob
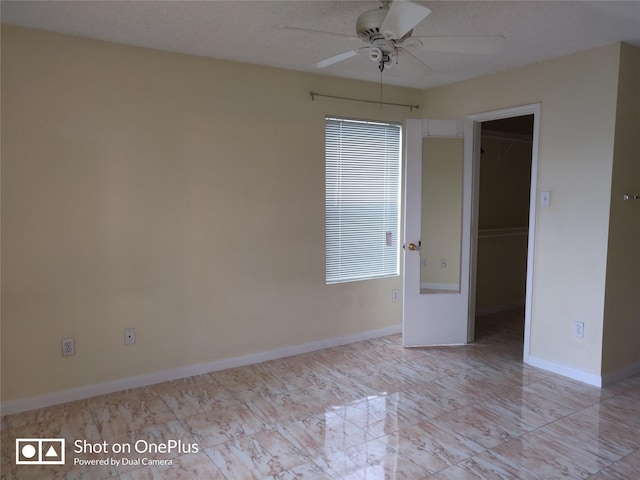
412 247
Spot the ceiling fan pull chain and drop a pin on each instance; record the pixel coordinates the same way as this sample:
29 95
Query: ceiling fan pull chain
380 89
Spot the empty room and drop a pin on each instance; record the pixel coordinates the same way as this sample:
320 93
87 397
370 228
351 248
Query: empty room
325 240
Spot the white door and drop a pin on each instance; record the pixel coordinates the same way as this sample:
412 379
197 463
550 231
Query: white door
439 288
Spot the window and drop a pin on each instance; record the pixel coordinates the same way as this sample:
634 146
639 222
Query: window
362 199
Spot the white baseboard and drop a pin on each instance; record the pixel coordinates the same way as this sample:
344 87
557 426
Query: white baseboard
573 373
620 374
498 308
581 376
48 399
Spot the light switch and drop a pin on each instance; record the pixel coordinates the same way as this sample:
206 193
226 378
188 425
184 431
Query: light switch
545 199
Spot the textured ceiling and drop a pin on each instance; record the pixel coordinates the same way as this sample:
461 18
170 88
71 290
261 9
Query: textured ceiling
252 31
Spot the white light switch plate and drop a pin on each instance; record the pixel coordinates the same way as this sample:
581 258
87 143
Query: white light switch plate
545 199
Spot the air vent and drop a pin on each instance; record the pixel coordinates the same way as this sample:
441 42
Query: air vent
369 32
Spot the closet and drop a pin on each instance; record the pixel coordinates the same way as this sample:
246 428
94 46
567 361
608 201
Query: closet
504 196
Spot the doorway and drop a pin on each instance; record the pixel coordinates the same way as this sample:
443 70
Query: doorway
503 227
505 204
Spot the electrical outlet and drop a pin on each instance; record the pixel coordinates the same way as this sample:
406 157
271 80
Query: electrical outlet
423 263
395 295
578 329
129 336
68 347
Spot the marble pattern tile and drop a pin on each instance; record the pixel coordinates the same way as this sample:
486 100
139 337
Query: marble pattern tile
597 435
382 415
218 426
545 456
489 467
122 412
335 397
283 408
531 409
624 469
323 435
370 410
150 435
70 420
479 425
185 401
371 461
307 471
440 440
257 456
251 382
191 467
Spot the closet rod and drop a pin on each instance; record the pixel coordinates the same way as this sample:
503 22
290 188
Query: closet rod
410 107
514 137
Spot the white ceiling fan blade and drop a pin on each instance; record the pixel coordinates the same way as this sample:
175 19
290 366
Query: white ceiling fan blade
462 43
336 58
402 17
406 50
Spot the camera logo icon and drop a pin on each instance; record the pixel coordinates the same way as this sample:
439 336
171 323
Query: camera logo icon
40 451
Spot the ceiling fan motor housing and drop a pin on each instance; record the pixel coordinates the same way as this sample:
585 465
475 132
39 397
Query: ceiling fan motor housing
369 23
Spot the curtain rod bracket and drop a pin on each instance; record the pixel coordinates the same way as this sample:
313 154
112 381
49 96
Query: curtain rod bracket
410 107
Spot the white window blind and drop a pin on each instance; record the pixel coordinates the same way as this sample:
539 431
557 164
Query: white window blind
363 162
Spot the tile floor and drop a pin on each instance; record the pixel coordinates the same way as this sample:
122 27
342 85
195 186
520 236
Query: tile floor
370 410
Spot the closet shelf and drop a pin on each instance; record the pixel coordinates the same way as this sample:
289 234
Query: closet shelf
503 232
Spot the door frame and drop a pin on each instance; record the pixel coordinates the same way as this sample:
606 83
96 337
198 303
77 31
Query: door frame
531 109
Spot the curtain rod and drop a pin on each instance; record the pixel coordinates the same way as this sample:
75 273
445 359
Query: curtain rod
410 107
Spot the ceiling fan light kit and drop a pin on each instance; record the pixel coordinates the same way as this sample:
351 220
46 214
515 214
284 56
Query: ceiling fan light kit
375 54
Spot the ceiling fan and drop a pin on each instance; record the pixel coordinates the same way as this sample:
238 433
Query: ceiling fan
387 32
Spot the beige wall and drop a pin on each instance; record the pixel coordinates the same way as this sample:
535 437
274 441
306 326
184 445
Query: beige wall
622 301
178 195
578 97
